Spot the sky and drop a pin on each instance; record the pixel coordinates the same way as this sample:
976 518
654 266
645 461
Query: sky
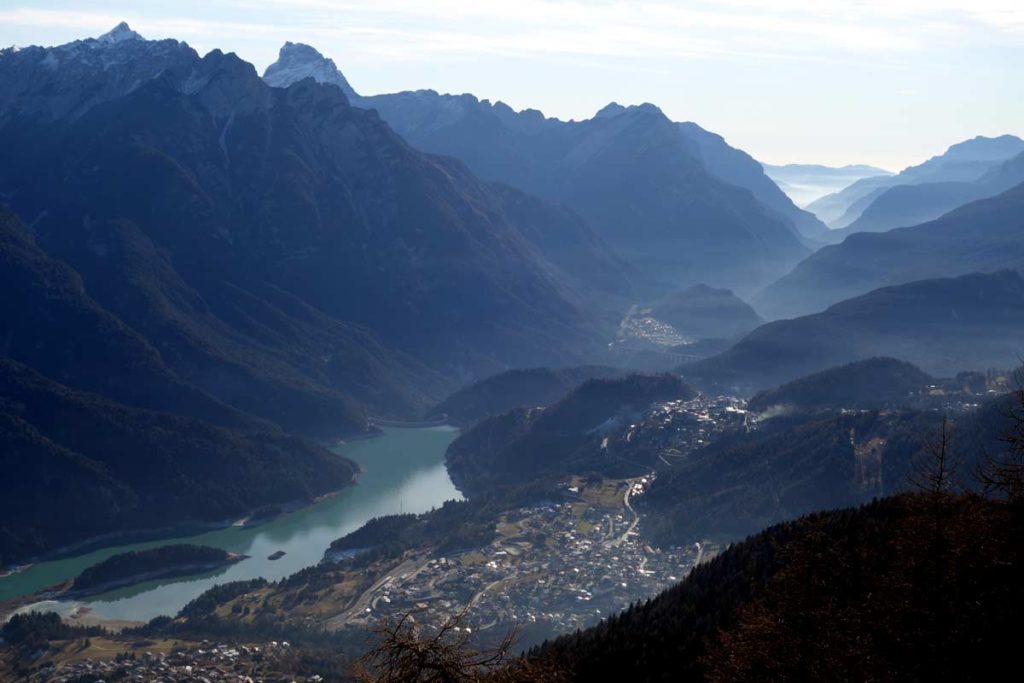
882 82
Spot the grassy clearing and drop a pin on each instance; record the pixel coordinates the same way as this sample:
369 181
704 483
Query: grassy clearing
607 494
79 649
472 559
507 529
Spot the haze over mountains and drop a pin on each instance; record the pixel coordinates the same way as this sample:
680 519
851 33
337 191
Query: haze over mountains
983 236
646 185
965 162
805 183
905 205
263 216
702 312
941 325
213 280
866 384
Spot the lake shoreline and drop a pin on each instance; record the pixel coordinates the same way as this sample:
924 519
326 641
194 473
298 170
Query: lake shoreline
182 570
167 533
397 470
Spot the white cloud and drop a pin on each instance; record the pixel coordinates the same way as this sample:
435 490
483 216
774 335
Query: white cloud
419 29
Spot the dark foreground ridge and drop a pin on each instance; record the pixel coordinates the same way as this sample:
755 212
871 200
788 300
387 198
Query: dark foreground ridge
804 600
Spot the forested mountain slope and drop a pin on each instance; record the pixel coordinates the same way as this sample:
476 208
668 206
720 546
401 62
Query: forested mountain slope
77 465
804 600
274 241
984 236
517 388
533 444
866 384
672 199
972 322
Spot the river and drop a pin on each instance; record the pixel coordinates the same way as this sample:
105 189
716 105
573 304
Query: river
403 471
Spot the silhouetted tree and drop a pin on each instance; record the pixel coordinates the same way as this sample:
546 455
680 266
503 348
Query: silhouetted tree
934 468
1004 473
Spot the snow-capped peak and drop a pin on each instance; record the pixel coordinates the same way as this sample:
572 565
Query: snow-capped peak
297 61
119 33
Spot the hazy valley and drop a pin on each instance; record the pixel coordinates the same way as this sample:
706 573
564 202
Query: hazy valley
301 383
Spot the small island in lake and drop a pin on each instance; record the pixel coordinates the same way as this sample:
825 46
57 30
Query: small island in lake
134 567
276 555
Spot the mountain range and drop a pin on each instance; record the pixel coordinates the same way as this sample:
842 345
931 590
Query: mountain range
260 260
984 236
965 162
671 199
206 270
251 230
905 205
945 325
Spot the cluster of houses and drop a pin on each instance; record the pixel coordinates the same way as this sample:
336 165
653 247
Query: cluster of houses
646 331
556 567
564 565
681 426
206 663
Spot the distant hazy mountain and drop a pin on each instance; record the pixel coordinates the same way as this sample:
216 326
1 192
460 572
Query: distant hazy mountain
736 167
804 183
833 208
649 187
702 312
984 236
866 384
942 325
963 162
531 388
635 179
906 205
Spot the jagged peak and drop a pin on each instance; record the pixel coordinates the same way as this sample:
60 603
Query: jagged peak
609 110
647 108
300 51
613 109
296 61
119 34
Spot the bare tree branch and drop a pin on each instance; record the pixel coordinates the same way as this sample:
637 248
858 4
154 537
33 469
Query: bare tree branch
404 653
